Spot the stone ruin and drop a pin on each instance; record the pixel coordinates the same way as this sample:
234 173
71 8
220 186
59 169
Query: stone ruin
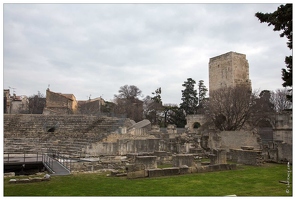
94 143
145 166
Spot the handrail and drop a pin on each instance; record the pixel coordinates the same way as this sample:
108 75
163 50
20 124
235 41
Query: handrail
48 161
65 163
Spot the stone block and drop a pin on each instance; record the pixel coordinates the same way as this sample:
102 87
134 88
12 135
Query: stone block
155 172
247 148
134 167
171 171
213 168
248 157
148 161
160 153
183 159
184 170
224 167
12 181
137 174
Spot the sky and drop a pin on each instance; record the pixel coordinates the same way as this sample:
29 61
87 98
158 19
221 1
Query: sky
91 50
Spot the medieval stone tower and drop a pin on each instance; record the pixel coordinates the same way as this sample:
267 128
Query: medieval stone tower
228 70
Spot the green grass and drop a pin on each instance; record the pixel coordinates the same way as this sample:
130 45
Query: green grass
246 181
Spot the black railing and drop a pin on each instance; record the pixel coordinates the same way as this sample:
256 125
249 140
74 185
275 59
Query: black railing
47 159
23 157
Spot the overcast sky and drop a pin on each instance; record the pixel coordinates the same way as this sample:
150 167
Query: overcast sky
94 49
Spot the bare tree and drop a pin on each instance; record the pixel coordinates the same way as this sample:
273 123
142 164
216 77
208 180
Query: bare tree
230 108
280 100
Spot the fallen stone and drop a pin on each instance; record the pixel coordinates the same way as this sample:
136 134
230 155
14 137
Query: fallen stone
284 182
46 176
121 174
12 181
247 148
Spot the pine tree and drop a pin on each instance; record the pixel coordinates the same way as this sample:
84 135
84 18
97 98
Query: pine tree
282 19
202 92
189 97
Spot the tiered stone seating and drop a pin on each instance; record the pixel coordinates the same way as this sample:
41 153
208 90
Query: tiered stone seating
71 134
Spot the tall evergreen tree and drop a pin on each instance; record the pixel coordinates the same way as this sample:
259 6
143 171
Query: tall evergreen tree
202 92
282 20
189 97
174 115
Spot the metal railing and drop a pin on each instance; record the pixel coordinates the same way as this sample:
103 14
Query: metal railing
48 162
47 159
23 157
64 160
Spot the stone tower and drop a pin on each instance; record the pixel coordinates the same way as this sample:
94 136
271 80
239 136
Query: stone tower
228 70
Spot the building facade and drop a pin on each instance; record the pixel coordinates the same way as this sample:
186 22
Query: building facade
58 103
14 104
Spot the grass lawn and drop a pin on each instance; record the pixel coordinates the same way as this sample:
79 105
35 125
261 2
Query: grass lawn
246 181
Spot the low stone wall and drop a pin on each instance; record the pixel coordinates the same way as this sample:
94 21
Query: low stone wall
233 140
247 157
137 174
278 152
123 146
87 166
163 172
213 168
179 170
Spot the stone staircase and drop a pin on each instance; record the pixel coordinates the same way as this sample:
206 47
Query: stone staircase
63 134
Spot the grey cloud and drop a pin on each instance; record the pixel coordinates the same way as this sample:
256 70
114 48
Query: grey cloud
96 48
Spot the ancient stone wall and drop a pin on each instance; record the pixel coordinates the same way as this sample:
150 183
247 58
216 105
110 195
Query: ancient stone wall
228 70
247 157
282 129
233 140
123 146
277 151
191 119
